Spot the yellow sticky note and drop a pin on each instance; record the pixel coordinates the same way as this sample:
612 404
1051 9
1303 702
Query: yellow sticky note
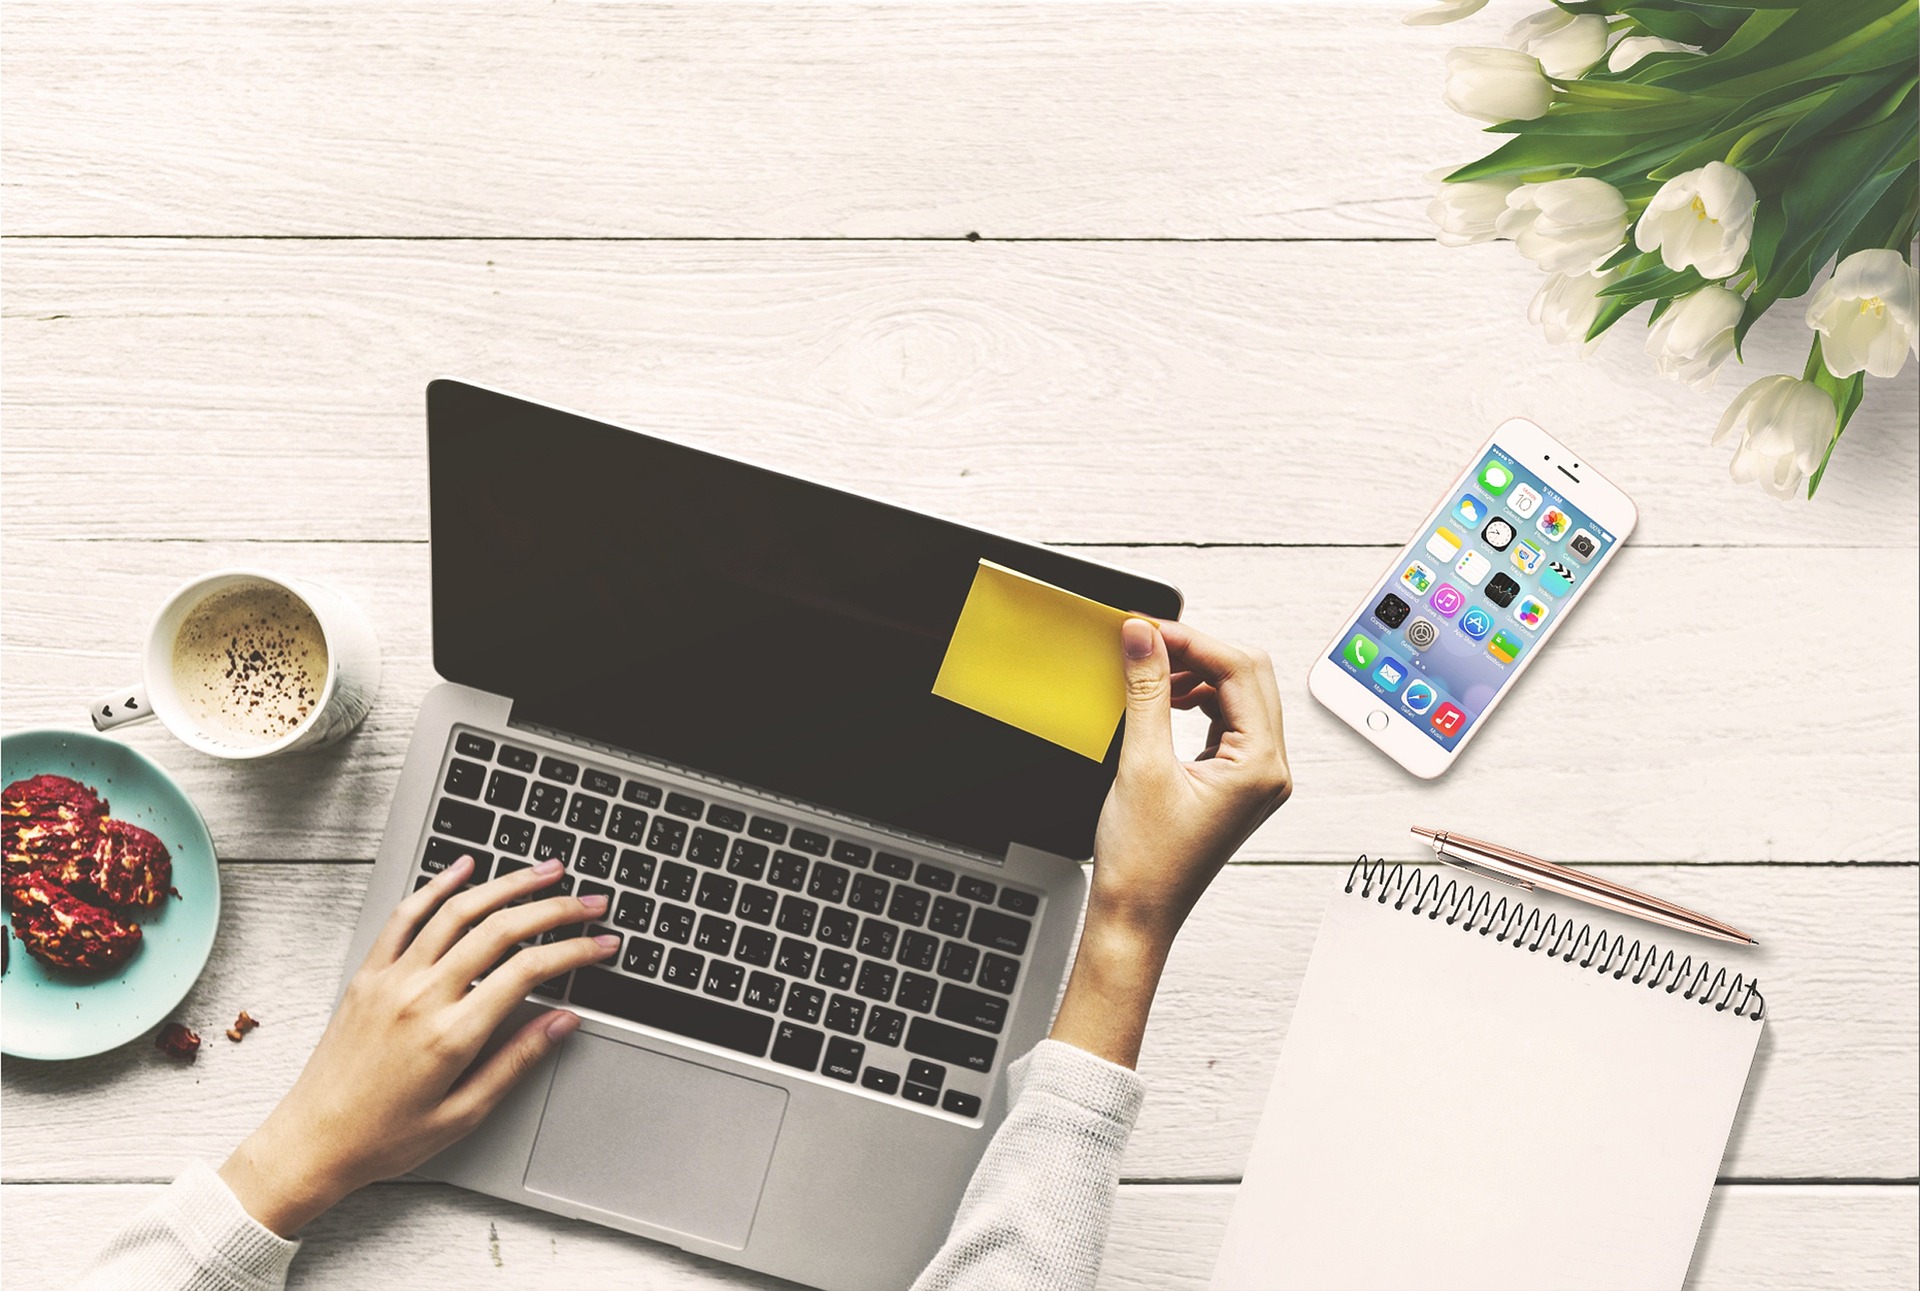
1037 657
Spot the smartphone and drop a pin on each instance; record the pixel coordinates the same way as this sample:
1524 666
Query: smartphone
1467 605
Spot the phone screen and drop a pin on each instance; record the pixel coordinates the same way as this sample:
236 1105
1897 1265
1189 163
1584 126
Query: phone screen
1445 630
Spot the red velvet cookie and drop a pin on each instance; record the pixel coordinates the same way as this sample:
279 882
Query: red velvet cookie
61 929
130 867
50 821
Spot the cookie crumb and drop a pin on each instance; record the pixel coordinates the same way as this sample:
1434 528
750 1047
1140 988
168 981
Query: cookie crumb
177 1041
241 1025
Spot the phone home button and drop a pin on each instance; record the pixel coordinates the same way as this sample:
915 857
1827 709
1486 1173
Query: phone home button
1377 720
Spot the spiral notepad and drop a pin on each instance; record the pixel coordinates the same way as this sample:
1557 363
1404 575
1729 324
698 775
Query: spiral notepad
1485 1089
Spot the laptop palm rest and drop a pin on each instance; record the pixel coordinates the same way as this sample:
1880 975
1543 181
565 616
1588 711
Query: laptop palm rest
656 1139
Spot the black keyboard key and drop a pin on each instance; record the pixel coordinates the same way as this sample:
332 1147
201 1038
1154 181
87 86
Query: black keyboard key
949 917
882 1082
960 1104
474 746
976 889
920 1094
586 813
922 1072
998 973
958 961
731 819
806 840
634 912
918 950
465 779
885 1026
683 969
909 905
715 935
601 782
767 831
1019 902
518 759
594 858
707 848
725 1025
643 956
998 931
586 890
636 870
505 790
868 893
723 980
755 946
796 916
716 893
676 881
796 957
836 969
894 867
829 882
916 992
844 1014
788 871
757 904
628 826
441 853
951 1045
843 1059
675 923
554 845
641 793
559 769
681 804
798 1046
508 866
554 988
546 801
971 1008
747 859
876 981
667 836
837 927
848 852
877 938
804 1002
422 881
932 876
763 992
462 820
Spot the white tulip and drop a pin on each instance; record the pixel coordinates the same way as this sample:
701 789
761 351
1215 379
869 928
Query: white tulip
1496 84
1632 49
1566 44
1465 212
1866 314
1566 305
1702 219
1565 225
1694 336
1784 427
1449 11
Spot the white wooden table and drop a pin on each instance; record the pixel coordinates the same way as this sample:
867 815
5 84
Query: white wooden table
1148 281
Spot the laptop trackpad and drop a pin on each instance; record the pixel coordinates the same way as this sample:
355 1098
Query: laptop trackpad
656 1139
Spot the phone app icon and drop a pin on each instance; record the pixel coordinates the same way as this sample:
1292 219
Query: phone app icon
1444 545
1523 501
1526 557
1448 719
1471 511
1496 477
1472 568
1557 580
1505 647
1501 589
1476 623
1419 697
1553 523
1391 610
1361 650
1417 578
1532 612
1583 545
1422 633
1447 600
1390 674
1498 534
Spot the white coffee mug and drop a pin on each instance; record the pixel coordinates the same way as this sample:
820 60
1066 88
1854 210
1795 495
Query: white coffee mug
352 678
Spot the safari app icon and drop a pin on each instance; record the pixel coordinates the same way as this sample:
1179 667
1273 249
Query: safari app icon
1419 697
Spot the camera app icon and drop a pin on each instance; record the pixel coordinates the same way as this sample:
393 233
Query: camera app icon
1583 545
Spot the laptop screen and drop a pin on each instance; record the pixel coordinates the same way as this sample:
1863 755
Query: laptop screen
740 622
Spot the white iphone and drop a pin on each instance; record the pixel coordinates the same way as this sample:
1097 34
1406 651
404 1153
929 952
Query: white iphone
1485 583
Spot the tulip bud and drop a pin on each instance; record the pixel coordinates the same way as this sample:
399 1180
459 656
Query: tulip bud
1465 211
1496 84
1566 44
1694 336
1565 225
1784 427
1632 49
1566 306
1449 11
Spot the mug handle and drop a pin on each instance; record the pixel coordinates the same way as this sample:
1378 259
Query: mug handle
120 708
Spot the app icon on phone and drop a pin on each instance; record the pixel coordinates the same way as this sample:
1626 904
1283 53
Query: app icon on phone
1390 673
1391 610
1447 600
1526 557
1361 650
1505 647
1471 511
1532 612
1523 501
1553 522
1448 719
1476 623
1557 580
1472 568
1498 533
1583 545
1422 633
1444 545
1419 697
1501 589
1416 578
1496 477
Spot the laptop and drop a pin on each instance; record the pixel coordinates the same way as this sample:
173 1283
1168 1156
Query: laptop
845 904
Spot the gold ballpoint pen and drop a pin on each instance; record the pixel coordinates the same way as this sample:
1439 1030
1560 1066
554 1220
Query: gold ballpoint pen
1529 872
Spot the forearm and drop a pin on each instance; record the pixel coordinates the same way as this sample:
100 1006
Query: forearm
1110 992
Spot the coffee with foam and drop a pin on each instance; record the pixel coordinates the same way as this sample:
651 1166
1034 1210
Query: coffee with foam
250 663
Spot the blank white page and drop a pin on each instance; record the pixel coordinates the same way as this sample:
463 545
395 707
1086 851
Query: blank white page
1452 1111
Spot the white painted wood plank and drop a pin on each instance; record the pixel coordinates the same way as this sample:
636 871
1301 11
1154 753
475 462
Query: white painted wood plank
1833 1092
1673 737
1016 120
1756 1238
1284 393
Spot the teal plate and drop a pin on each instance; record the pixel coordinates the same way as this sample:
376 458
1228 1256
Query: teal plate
49 1013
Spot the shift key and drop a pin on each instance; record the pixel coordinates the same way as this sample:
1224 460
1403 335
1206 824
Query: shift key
463 820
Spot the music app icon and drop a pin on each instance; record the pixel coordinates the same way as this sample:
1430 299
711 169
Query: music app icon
1448 719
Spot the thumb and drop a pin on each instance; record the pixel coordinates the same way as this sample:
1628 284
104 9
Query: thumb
494 1077
1148 737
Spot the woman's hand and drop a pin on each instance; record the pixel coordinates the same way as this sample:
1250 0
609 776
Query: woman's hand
1168 826
395 1078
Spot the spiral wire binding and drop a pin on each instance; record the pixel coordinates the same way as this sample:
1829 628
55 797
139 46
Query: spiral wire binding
1474 908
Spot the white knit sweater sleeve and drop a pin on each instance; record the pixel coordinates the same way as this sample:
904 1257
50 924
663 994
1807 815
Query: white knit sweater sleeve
196 1236
1035 1216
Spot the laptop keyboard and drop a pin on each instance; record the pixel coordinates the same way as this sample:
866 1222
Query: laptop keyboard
740 928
